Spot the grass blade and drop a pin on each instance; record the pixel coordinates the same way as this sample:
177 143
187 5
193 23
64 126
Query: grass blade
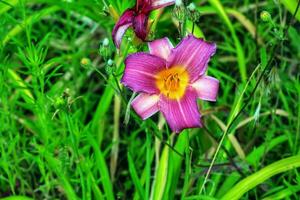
259 177
161 175
16 198
135 177
239 50
290 5
103 170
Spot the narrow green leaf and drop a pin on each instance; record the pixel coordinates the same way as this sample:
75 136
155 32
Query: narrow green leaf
197 31
175 164
284 193
103 170
24 91
135 177
54 164
16 198
5 5
254 157
239 50
30 20
161 175
197 197
228 184
259 177
263 57
149 159
291 5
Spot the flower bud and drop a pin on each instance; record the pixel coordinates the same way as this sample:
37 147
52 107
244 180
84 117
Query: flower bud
104 49
105 42
265 16
85 61
192 13
191 7
109 67
178 3
179 11
110 62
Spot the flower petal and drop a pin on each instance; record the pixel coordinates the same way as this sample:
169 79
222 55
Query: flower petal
193 54
207 88
141 5
121 26
156 4
182 113
161 47
145 105
140 23
140 72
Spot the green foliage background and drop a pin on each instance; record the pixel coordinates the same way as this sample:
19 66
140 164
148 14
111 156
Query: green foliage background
67 132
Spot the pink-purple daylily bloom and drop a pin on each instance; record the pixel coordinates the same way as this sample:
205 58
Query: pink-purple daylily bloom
137 17
171 79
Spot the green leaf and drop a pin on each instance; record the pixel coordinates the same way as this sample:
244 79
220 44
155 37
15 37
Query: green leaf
291 5
16 198
161 174
197 30
103 170
239 50
7 5
175 164
263 57
135 177
284 193
262 175
29 20
54 164
255 156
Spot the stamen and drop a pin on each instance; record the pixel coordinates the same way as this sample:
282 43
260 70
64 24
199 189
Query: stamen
171 82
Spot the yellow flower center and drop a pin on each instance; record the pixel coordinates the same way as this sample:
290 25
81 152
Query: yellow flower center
172 82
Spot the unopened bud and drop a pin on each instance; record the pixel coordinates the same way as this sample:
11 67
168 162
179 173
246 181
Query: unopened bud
110 62
109 68
105 42
192 13
191 7
178 3
179 12
104 49
265 16
85 61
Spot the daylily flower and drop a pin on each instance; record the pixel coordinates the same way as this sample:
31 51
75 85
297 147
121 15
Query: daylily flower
171 79
137 17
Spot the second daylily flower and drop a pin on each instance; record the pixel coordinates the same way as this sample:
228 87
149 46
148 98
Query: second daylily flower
137 17
171 79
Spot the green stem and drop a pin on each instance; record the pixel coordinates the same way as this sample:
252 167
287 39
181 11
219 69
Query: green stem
115 140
